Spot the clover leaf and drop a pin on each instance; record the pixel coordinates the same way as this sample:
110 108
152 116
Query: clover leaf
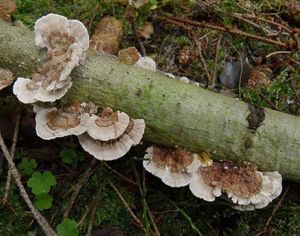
67 228
70 156
41 182
27 166
43 201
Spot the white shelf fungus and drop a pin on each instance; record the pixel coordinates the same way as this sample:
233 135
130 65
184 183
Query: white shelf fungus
109 125
53 123
247 188
111 135
146 63
175 167
66 41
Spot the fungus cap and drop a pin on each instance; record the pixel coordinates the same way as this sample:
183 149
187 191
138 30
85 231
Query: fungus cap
174 167
106 151
51 24
22 92
135 130
270 189
26 95
146 63
110 125
202 190
54 123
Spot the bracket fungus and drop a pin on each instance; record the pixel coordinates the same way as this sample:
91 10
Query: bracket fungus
111 135
244 185
146 63
109 125
66 42
53 123
175 167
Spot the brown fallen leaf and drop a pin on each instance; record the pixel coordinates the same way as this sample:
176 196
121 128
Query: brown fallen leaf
107 36
146 30
6 78
7 8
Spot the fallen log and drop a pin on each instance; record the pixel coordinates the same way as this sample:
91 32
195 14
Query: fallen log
176 114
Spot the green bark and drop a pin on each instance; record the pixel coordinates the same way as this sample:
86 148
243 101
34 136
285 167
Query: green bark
176 114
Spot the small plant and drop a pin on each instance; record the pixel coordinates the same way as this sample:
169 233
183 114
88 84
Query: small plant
70 156
67 228
43 201
40 184
27 166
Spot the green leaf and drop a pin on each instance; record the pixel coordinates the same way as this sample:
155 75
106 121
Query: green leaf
27 166
68 155
41 183
43 201
67 228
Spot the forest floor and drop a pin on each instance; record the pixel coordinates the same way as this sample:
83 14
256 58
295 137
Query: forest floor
176 49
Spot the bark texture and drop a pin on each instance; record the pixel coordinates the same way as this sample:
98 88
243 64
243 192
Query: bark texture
175 113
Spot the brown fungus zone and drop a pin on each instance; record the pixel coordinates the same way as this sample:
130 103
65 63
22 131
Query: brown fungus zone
242 181
64 119
177 160
107 118
58 56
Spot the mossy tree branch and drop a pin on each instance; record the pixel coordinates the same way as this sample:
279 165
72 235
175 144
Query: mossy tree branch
176 114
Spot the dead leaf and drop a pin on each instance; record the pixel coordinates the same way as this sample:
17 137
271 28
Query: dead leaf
107 36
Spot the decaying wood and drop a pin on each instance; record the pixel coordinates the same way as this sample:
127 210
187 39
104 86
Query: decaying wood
176 114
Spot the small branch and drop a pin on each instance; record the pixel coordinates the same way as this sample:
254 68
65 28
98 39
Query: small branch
181 21
12 154
126 205
36 214
93 213
118 174
78 186
213 75
143 195
203 62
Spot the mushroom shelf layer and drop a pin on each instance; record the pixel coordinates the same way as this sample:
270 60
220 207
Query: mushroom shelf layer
175 113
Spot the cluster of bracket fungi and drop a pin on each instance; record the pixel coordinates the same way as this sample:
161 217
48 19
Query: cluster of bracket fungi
106 136
247 188
109 135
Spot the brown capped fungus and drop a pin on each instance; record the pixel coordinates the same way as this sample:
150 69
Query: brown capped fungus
175 167
66 42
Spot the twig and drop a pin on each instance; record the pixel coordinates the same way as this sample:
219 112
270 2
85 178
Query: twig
213 75
120 175
276 208
267 100
92 217
181 21
36 214
126 205
143 193
199 49
78 186
278 52
12 154
135 30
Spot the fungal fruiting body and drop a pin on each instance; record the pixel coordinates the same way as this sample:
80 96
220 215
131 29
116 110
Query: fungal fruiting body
146 63
66 42
53 123
109 125
111 135
244 185
175 167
